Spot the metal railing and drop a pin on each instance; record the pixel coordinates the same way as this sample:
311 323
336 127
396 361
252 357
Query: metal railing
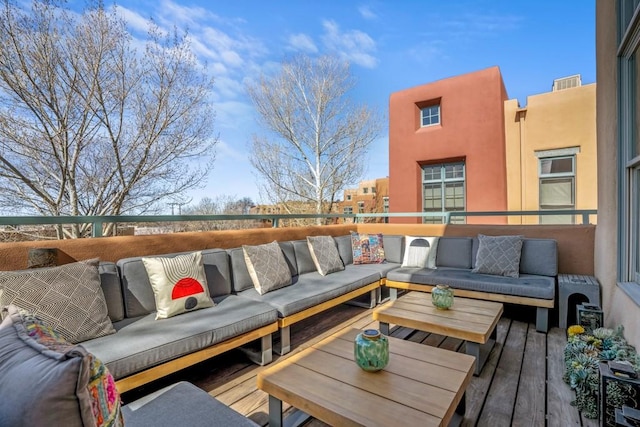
98 222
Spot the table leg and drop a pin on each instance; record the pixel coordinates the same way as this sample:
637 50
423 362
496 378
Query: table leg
457 418
275 412
480 352
384 328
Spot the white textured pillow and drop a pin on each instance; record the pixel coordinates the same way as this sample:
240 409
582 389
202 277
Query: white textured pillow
68 298
267 267
179 284
325 254
420 251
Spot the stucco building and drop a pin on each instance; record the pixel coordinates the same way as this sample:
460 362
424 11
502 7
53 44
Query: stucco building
459 144
371 196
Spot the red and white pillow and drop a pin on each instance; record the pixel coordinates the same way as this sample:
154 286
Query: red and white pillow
179 284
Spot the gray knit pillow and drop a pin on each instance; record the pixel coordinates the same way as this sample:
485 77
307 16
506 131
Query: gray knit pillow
325 254
267 267
499 255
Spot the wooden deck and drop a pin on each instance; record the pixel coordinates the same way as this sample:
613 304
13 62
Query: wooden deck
520 385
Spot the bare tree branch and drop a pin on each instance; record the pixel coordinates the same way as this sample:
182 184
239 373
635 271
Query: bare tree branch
318 136
90 126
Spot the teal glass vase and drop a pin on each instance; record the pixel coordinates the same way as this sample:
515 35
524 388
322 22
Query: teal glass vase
442 297
371 350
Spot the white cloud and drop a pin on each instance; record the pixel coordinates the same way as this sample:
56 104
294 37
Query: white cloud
226 151
353 45
302 42
367 13
134 20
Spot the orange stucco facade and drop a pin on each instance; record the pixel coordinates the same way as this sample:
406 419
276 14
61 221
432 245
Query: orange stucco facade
501 145
471 130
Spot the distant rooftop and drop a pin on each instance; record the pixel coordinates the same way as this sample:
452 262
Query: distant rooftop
567 82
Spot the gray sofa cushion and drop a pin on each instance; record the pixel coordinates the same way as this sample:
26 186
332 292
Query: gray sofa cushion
182 404
394 248
145 342
344 249
325 255
454 252
289 256
499 255
538 256
526 285
312 289
112 290
138 294
303 257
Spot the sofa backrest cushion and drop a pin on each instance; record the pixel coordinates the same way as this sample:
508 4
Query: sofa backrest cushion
393 248
240 273
454 252
345 249
304 260
538 256
138 294
112 290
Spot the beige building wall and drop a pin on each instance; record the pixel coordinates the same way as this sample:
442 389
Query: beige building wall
552 123
618 308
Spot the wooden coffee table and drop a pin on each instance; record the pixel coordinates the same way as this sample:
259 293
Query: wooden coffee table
471 320
421 385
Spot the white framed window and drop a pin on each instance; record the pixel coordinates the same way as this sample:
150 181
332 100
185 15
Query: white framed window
430 116
347 210
385 204
373 190
360 207
557 187
365 190
443 190
629 142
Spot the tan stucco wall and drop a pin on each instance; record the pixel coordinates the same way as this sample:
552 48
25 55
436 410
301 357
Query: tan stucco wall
617 306
551 121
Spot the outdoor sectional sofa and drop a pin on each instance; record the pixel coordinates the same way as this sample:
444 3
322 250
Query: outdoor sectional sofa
144 349
456 257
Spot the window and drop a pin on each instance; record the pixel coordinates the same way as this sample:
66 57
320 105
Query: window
348 196
443 190
430 115
629 142
360 207
365 190
373 190
385 204
557 187
348 210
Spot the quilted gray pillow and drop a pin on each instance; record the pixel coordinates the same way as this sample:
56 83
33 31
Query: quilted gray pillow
325 254
267 267
499 255
68 298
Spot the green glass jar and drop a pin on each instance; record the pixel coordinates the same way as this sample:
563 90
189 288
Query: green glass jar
442 297
371 350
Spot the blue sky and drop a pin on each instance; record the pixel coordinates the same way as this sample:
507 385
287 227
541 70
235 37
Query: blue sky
392 45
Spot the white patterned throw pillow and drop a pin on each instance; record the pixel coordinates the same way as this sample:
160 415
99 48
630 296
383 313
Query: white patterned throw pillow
499 255
325 255
68 298
420 251
267 267
179 284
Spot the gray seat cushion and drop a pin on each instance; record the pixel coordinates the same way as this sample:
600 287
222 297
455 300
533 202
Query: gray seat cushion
144 342
181 404
311 289
527 285
110 284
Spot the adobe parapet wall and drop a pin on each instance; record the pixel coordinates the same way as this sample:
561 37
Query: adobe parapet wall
575 242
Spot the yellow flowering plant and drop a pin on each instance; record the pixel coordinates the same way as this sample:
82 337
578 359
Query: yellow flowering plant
575 330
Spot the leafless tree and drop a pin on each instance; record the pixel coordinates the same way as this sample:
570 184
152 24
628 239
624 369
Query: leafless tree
221 205
319 137
88 124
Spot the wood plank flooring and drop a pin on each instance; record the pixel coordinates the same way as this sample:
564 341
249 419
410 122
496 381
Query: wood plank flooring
520 385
